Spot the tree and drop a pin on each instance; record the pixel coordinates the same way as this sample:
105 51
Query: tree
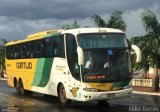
75 24
115 21
142 43
2 54
72 26
66 26
150 45
150 22
152 26
99 21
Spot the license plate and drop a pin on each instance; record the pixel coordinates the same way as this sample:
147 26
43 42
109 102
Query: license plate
111 95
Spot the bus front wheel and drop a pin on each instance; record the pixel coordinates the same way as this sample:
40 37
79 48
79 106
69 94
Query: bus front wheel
62 96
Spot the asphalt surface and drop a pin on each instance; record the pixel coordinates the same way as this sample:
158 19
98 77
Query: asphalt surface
11 102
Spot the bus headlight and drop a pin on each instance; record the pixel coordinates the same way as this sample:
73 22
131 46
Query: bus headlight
90 89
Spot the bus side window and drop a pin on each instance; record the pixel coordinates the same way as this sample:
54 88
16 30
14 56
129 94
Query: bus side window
20 51
72 57
12 52
16 52
50 46
40 49
43 49
9 52
32 49
7 55
59 46
23 51
28 51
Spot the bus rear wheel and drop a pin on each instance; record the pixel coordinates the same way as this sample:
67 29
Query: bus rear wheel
62 96
21 88
17 86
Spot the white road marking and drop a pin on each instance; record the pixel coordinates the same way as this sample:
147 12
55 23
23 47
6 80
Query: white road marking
3 79
1 93
6 95
13 97
31 103
21 100
146 93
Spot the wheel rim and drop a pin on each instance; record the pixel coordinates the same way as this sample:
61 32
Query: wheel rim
63 95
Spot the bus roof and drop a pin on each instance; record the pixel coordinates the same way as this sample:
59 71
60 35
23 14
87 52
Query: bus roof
92 30
35 36
76 31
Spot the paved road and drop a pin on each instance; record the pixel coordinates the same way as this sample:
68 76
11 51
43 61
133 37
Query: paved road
10 101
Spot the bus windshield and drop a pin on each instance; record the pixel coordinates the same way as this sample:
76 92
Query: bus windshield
106 57
105 40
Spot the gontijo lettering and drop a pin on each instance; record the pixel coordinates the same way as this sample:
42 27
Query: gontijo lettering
24 65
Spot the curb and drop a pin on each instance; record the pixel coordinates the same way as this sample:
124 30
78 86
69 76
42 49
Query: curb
146 93
3 79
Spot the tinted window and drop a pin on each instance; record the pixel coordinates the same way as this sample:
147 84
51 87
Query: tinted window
72 57
43 48
105 40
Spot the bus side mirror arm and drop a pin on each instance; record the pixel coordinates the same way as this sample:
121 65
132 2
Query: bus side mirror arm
138 52
80 56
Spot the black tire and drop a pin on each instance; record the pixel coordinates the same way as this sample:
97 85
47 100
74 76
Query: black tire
62 96
17 86
21 88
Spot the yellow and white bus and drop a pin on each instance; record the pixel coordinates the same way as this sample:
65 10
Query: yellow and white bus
55 62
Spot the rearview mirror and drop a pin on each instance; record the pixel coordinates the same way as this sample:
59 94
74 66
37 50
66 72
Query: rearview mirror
137 51
80 56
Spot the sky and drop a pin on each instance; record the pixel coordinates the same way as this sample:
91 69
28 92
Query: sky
19 18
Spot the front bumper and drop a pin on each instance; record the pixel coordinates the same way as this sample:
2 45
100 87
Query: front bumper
94 96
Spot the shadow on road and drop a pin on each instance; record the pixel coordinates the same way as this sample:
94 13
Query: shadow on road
50 103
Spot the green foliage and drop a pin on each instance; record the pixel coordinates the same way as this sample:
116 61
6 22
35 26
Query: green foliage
115 21
72 26
2 53
150 22
152 26
99 21
150 43
75 25
66 26
144 45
